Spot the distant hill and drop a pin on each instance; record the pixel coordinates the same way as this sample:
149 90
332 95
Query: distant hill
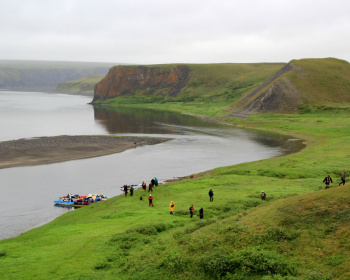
45 75
84 85
304 82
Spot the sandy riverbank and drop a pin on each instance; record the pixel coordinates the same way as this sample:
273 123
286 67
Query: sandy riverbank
43 150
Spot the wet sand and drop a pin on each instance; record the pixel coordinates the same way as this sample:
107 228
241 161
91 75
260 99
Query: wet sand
44 150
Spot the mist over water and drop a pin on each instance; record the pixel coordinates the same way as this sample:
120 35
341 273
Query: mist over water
196 146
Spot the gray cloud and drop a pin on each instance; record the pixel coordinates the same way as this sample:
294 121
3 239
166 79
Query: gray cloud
189 31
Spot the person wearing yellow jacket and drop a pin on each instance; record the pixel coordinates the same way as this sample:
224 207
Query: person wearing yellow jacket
172 207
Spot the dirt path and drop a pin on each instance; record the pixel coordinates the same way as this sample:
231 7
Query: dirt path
45 150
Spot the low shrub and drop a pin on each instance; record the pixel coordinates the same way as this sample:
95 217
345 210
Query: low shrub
102 265
3 254
335 260
278 234
256 261
319 276
251 203
216 264
145 230
175 261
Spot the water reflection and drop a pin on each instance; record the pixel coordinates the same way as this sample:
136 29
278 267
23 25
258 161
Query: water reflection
121 119
145 121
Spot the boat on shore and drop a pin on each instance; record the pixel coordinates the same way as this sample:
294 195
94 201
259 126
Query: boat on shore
77 201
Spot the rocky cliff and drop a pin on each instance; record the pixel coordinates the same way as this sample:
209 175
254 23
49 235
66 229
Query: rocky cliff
142 80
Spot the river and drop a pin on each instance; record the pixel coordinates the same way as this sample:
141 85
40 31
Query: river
28 192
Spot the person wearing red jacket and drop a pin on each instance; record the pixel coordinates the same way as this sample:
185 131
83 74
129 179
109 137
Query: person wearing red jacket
150 200
327 180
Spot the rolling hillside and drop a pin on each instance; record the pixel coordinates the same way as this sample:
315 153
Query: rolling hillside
306 82
45 75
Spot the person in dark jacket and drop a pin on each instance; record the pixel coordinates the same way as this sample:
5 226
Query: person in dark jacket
150 187
143 186
211 195
131 191
263 195
327 180
343 176
201 212
125 190
191 211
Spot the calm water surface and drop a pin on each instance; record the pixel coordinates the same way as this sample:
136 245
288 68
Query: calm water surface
28 192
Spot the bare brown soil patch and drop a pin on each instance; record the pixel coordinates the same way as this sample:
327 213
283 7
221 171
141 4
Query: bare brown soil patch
45 150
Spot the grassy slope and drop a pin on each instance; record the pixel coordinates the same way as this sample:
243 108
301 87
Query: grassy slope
85 85
323 80
124 238
302 230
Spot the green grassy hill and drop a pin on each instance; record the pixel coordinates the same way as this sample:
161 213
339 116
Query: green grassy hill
243 89
301 83
300 232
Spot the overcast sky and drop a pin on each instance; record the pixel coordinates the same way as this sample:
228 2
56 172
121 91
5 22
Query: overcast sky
177 31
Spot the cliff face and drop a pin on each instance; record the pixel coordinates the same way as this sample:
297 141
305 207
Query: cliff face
131 80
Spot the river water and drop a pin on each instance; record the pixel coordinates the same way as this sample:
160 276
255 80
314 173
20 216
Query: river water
28 192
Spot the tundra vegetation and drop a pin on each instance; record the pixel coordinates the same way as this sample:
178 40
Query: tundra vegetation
301 231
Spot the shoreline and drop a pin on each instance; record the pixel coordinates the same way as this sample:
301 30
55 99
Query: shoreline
46 150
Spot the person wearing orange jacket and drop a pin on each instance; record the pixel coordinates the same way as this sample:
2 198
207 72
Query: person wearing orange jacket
172 208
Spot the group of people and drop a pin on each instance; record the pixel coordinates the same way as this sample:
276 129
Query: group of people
201 212
153 183
329 180
191 209
125 188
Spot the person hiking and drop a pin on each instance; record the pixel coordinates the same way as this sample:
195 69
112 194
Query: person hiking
143 186
191 211
327 180
125 190
156 181
211 195
263 195
150 187
343 176
201 212
131 191
172 208
153 182
150 200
